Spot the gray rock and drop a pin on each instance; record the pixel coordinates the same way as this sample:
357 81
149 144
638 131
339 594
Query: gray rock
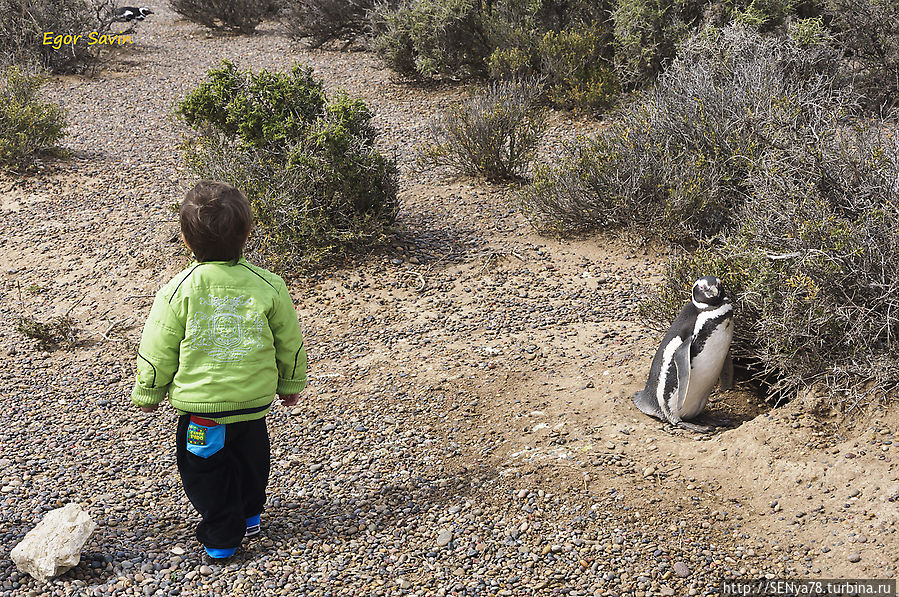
54 545
681 569
855 557
444 538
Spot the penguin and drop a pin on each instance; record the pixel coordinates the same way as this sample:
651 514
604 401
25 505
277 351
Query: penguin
694 354
130 13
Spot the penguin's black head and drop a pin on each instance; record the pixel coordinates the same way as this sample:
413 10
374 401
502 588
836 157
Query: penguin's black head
144 11
708 292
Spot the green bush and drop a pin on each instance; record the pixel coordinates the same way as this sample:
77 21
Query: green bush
239 16
577 73
28 126
494 133
23 24
318 187
676 163
647 33
813 267
433 38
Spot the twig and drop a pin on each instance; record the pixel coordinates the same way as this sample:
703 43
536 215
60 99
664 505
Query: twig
134 296
78 302
421 279
113 325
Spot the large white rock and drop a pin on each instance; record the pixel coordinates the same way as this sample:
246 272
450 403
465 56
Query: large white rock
54 545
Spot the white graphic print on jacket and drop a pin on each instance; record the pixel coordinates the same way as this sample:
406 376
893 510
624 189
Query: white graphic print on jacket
225 334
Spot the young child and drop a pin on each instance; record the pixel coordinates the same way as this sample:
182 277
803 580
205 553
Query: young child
221 340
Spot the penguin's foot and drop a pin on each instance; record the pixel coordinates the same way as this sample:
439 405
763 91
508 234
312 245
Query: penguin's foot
695 427
717 421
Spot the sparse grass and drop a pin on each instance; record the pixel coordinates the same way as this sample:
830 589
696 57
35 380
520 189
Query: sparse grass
57 332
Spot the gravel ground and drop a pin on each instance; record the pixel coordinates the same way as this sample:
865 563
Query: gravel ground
446 444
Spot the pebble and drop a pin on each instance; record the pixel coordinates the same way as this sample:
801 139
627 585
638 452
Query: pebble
205 570
681 569
855 557
444 538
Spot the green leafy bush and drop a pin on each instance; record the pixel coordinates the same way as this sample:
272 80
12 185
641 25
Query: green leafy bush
240 16
318 187
23 24
494 133
813 267
676 163
577 73
28 126
430 38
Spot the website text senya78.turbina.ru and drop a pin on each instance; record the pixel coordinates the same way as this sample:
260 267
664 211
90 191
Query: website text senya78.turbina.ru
94 38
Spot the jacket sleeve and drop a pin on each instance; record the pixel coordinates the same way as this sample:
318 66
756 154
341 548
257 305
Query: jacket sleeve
290 353
157 357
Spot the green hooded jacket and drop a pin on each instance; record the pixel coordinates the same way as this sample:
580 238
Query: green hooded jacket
221 339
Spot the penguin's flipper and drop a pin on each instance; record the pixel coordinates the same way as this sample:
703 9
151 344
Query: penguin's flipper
682 361
726 379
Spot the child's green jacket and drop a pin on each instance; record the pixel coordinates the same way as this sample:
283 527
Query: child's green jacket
221 339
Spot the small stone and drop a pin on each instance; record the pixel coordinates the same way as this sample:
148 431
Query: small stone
681 569
444 538
403 583
205 570
178 551
649 471
855 557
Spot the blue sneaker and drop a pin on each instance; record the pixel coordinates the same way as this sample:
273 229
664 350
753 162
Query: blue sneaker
220 554
253 525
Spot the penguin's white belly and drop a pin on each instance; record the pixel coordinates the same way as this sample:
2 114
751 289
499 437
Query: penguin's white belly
705 369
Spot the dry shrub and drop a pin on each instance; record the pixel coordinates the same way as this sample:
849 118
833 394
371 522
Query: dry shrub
57 332
675 164
24 22
239 16
323 21
868 30
813 267
494 133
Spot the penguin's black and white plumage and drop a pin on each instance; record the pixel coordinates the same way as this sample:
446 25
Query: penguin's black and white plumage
131 13
693 355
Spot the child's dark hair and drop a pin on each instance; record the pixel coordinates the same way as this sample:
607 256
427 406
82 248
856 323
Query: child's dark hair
215 221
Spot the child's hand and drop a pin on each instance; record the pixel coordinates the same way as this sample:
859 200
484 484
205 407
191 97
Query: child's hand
148 409
289 399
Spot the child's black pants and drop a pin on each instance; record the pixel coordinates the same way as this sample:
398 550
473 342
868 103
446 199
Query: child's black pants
226 484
